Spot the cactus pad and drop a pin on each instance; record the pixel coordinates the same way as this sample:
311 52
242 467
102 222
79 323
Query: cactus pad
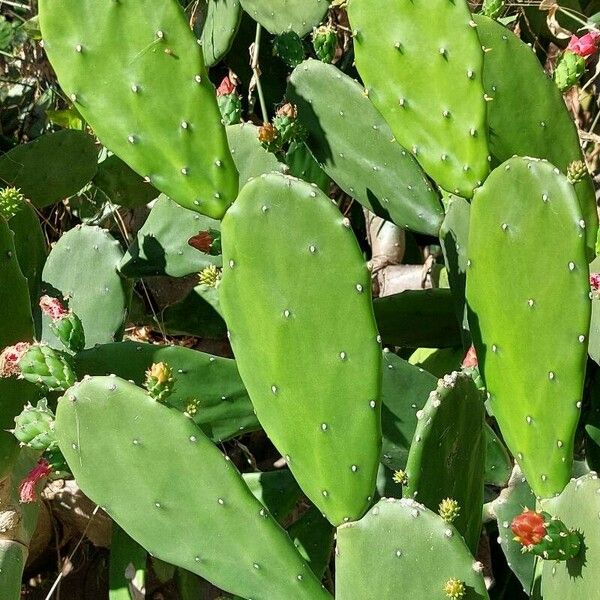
355 146
313 377
299 16
120 63
422 65
447 454
532 353
381 555
117 440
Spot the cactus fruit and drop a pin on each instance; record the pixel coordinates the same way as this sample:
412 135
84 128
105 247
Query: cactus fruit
65 324
324 41
139 56
159 381
288 46
229 101
545 536
10 357
117 439
569 69
354 147
577 171
378 556
537 407
46 367
11 202
313 408
34 427
401 43
492 8
287 124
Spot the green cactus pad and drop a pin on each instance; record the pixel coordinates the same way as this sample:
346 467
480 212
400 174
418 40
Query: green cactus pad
210 383
127 565
161 244
118 441
14 293
299 16
122 185
355 147
534 372
303 165
82 267
218 28
418 318
382 555
422 65
512 501
546 129
498 463
578 507
120 63
313 377
313 535
30 245
277 490
52 167
447 454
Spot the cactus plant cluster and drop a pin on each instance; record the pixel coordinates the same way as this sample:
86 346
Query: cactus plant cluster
223 379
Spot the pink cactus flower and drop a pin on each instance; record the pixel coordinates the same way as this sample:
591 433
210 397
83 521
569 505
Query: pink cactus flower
53 308
27 492
586 45
226 87
470 359
595 282
10 357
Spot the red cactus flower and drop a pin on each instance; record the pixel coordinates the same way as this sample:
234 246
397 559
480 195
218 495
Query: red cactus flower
202 241
529 528
10 357
27 491
53 308
226 87
470 359
586 45
595 281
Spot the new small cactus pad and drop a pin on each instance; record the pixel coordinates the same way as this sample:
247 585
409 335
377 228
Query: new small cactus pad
159 381
113 435
120 63
422 65
320 405
534 372
378 556
447 455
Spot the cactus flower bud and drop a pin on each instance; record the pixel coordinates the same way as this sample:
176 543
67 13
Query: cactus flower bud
449 509
586 45
324 41
229 101
27 491
529 528
159 381
10 357
545 536
11 202
455 589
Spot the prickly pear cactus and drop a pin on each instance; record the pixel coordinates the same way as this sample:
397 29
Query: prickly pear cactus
378 556
320 406
299 16
422 65
534 372
447 454
126 59
113 435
